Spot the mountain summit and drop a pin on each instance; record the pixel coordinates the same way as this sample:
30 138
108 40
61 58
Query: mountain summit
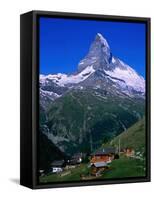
99 68
99 54
100 38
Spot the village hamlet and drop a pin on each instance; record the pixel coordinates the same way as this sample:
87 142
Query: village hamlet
94 164
97 165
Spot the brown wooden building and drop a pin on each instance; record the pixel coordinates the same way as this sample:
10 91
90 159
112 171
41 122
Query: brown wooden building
103 155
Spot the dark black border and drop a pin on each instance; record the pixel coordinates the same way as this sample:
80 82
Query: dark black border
26 38
35 96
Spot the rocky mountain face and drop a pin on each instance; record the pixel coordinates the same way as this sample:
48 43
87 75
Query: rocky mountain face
101 99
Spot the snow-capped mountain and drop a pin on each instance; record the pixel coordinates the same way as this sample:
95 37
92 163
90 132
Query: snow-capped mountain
98 69
91 106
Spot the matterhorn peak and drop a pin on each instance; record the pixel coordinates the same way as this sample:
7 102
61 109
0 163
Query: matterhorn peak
98 66
99 54
100 47
99 37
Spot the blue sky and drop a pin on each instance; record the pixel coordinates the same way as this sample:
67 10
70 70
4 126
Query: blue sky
64 42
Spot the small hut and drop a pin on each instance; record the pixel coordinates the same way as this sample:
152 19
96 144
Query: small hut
98 167
57 166
129 152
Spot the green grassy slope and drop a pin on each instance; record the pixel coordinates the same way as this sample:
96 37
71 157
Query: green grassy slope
125 167
133 137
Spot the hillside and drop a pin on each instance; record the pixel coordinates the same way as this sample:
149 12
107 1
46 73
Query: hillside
133 137
84 119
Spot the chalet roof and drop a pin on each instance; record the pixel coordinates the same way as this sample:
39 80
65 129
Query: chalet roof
104 151
57 163
100 164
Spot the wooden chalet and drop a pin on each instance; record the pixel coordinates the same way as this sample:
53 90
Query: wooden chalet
100 159
98 167
103 155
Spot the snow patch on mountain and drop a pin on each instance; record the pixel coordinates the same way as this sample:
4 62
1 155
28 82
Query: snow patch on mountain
49 94
129 76
113 60
64 79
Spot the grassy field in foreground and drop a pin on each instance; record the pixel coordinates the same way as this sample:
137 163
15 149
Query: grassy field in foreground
123 167
73 176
